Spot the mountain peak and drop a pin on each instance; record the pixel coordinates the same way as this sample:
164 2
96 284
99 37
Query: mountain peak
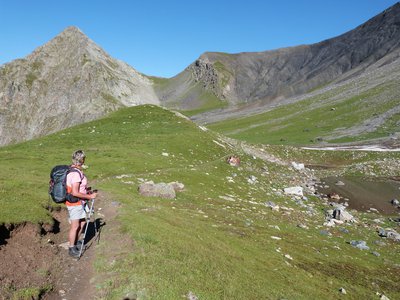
72 29
72 32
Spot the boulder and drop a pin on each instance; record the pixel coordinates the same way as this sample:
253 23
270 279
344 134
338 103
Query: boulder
342 215
390 234
295 190
362 245
162 190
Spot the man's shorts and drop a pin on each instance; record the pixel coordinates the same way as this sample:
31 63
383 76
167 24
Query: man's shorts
76 212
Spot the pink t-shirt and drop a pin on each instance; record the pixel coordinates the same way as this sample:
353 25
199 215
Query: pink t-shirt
74 177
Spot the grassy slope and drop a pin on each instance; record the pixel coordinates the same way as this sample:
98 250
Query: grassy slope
205 100
315 118
217 248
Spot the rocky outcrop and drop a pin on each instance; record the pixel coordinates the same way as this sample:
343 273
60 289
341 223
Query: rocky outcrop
204 72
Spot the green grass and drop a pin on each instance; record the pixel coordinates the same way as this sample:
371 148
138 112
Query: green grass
214 239
310 121
208 102
388 128
30 78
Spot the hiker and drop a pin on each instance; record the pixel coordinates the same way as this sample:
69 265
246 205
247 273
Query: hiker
77 187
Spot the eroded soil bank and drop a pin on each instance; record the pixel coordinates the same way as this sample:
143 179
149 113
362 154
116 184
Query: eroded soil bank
29 260
34 262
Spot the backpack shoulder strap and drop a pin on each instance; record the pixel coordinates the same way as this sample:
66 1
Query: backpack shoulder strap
72 169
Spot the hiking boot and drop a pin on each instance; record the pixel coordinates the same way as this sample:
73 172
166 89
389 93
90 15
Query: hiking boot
72 251
79 244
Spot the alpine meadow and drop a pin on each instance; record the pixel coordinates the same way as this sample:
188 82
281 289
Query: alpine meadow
265 162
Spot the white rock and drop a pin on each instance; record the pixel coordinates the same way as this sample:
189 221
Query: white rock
203 128
297 166
295 190
288 256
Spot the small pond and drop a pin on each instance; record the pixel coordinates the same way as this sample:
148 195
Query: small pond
364 193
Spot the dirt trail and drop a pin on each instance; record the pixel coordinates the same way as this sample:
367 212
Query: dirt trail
76 277
33 256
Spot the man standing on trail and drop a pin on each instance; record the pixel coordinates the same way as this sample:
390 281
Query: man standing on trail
77 187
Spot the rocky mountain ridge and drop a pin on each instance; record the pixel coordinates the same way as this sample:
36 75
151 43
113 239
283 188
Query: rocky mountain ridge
270 76
71 80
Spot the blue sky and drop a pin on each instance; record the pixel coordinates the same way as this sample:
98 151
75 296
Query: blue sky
161 38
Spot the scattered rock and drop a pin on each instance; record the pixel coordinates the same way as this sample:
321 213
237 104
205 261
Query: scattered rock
333 196
191 296
295 190
362 245
390 234
339 183
343 291
379 243
297 166
325 232
338 216
288 256
227 198
395 202
272 205
252 179
375 253
378 221
302 226
129 296
342 215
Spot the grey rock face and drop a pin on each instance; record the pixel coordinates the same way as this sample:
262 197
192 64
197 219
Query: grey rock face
68 81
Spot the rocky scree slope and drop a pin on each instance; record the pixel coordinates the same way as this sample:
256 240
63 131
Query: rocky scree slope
69 80
270 76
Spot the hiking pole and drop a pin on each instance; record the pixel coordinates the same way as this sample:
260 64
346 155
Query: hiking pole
91 210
